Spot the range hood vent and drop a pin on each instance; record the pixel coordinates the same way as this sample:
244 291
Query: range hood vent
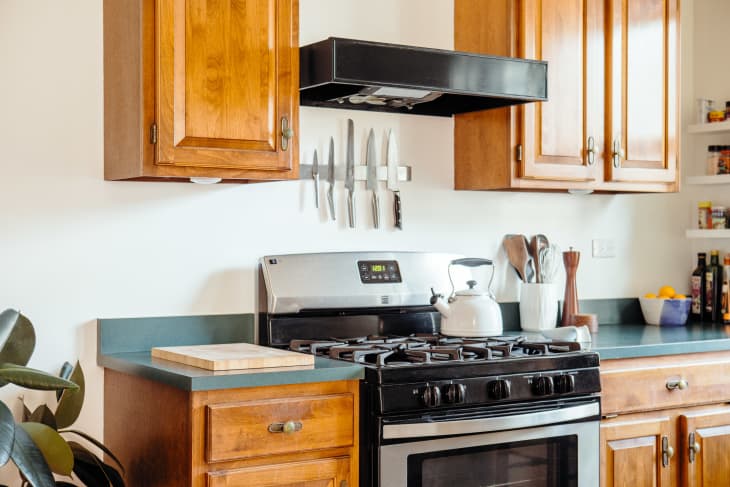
361 75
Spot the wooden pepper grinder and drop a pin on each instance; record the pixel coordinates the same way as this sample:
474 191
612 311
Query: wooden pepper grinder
570 302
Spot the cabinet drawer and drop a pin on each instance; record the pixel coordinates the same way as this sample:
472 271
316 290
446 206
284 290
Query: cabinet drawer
249 429
328 471
641 384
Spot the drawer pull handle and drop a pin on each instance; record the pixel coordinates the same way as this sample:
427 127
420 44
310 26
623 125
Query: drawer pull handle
680 384
289 427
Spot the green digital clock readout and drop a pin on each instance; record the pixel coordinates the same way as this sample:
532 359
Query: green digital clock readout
377 268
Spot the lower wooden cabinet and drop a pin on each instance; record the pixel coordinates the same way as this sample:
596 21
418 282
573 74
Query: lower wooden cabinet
299 435
666 421
330 472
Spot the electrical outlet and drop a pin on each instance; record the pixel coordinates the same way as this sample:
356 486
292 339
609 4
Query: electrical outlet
604 248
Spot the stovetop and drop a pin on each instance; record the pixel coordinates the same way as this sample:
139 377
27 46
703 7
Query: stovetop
422 349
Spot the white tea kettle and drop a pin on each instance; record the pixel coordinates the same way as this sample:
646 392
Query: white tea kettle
469 312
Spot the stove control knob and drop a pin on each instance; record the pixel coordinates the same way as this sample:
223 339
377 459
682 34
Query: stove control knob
564 384
542 386
498 389
431 396
456 393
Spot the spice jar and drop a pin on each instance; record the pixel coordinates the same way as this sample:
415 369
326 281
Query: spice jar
704 214
727 110
723 163
714 152
716 116
718 217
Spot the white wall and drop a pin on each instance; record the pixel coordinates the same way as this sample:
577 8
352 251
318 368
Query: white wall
74 247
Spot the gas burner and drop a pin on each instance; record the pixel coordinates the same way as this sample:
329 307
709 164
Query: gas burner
315 347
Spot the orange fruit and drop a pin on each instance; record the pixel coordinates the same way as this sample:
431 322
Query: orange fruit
680 296
650 296
667 291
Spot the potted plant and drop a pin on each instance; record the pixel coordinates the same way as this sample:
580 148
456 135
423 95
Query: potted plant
44 442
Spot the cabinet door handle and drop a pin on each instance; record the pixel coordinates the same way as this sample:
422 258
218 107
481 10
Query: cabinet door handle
674 384
618 153
288 427
591 151
694 447
286 133
667 451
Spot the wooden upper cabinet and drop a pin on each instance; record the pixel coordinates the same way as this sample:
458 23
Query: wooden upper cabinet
706 436
201 88
642 119
565 143
561 138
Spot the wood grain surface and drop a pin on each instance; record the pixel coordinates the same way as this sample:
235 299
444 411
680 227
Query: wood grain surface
230 356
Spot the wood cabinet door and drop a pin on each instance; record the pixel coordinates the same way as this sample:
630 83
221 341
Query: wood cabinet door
562 138
642 112
328 472
705 455
226 80
632 451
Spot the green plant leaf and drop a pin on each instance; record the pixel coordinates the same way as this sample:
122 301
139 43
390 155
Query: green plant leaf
7 433
55 450
29 460
64 373
97 444
17 347
91 470
69 407
43 415
32 378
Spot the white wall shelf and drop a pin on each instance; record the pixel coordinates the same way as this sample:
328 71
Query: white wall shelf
709 128
698 233
717 179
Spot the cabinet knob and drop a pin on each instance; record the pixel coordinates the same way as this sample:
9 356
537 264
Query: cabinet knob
674 384
591 151
286 133
695 447
288 427
618 153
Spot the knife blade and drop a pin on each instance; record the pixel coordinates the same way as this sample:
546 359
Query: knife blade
372 176
315 177
331 178
392 164
350 172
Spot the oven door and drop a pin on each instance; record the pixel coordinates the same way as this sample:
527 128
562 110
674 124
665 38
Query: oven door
555 445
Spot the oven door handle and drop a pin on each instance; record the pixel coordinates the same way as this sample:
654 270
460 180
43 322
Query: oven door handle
484 425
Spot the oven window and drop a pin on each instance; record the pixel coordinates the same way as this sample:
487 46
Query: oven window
551 462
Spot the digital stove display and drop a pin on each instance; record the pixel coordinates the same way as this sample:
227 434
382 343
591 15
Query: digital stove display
378 271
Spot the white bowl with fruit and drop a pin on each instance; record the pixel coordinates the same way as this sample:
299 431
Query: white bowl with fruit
666 308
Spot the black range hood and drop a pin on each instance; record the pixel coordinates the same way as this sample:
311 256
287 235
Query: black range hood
361 75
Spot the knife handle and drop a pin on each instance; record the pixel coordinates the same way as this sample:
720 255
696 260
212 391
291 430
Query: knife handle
331 200
396 207
351 208
376 210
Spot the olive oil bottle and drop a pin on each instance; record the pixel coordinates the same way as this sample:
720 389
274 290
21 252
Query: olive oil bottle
713 288
697 289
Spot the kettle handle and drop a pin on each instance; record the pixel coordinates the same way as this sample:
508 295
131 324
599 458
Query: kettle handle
471 262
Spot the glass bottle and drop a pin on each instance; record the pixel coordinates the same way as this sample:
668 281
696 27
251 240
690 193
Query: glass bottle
697 287
713 288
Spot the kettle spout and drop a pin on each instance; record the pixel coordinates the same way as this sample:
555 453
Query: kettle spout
438 302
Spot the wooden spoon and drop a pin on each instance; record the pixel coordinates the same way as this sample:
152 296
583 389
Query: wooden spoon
516 248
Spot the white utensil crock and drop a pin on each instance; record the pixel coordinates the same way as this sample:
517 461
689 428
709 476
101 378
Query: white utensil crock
538 306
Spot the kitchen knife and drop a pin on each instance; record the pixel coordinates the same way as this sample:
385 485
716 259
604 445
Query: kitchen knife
315 177
372 177
331 178
392 164
350 172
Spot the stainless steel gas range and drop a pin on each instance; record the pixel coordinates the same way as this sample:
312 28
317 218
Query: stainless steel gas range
437 411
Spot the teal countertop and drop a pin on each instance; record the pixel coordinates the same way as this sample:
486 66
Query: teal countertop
630 341
124 345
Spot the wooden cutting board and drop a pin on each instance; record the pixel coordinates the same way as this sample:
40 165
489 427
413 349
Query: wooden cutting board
229 356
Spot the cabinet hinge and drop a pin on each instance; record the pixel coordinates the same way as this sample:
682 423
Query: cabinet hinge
518 151
153 133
